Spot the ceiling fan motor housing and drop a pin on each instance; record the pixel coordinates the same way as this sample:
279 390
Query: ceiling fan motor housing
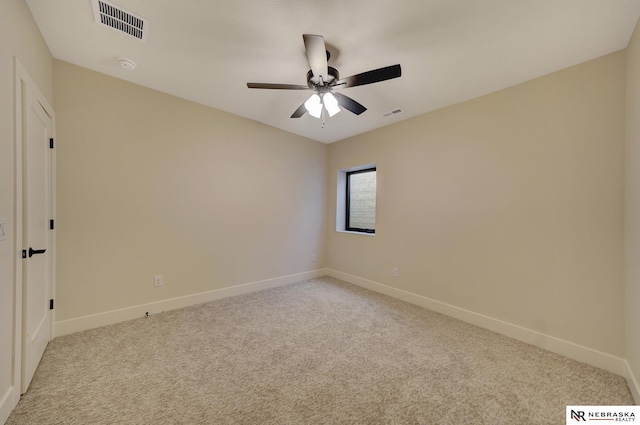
333 76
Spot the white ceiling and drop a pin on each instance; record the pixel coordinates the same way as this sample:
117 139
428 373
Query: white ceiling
450 50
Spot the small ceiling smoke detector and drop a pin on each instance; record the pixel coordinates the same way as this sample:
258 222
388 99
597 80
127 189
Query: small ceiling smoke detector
127 64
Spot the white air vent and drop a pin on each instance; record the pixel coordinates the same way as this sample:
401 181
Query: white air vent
394 112
113 16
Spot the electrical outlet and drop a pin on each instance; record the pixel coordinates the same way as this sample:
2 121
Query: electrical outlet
158 281
314 258
395 272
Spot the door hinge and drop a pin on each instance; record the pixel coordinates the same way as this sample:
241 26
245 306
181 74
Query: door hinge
51 304
51 225
24 253
51 143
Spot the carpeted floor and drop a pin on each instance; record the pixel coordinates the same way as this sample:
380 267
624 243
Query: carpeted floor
316 352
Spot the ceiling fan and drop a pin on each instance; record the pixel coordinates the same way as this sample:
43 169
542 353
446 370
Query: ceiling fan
323 79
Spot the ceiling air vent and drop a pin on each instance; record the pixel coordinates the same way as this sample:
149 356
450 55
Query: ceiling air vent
394 112
113 16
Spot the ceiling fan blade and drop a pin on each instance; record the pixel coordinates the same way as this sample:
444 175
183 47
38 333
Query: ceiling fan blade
317 55
369 77
277 86
299 112
349 104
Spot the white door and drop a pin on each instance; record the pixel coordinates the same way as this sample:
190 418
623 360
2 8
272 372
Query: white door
36 238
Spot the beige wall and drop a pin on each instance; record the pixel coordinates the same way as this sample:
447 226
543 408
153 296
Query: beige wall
509 205
632 211
150 184
19 37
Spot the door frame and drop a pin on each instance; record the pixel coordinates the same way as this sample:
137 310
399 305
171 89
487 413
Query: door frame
22 82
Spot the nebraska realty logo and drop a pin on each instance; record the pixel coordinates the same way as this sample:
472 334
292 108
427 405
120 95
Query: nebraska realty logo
602 414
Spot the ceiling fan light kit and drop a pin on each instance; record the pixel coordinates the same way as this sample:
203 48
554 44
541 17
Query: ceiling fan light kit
323 79
315 104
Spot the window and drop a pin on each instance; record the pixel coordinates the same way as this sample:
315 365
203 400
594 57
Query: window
360 203
356 200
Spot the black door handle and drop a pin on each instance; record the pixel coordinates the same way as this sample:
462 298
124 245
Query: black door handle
35 251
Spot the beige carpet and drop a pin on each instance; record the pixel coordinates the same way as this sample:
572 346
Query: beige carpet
315 352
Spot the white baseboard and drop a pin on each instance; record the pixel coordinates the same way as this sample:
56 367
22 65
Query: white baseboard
8 402
634 384
566 348
78 324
